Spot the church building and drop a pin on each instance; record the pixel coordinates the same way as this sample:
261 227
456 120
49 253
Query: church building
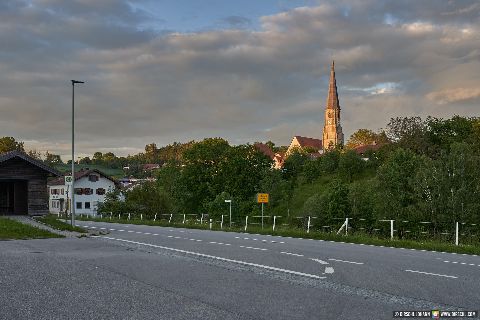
332 130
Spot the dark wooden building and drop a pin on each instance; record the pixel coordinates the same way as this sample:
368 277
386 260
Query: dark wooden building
23 184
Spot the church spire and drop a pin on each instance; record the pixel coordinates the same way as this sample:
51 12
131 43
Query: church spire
332 98
332 130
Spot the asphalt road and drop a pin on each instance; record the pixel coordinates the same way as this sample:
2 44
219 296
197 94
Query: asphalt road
143 272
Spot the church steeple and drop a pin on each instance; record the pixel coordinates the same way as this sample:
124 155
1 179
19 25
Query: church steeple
332 130
332 98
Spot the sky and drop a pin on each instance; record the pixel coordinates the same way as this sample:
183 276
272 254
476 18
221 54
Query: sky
180 70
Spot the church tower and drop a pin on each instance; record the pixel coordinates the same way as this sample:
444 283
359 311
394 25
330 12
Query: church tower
332 130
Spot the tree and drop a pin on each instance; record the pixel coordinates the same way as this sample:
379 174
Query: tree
151 153
10 144
363 137
97 157
52 159
396 184
349 165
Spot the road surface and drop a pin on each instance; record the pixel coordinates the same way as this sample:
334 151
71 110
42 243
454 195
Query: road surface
145 272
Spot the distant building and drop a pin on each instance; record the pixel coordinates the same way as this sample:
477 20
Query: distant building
277 157
151 166
23 184
332 129
91 186
304 144
361 150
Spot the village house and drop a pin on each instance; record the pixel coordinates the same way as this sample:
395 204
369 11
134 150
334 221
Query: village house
91 186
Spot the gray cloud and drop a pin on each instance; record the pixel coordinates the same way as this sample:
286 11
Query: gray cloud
393 58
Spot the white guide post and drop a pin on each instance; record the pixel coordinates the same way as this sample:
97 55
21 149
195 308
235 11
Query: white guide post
129 216
308 225
184 218
201 219
274 220
456 233
210 224
170 220
246 222
221 223
391 229
155 218
262 215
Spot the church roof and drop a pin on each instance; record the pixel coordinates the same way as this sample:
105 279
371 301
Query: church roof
265 149
309 142
332 98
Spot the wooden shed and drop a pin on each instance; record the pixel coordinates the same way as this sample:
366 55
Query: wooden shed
23 184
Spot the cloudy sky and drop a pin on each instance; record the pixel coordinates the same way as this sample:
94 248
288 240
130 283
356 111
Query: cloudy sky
177 70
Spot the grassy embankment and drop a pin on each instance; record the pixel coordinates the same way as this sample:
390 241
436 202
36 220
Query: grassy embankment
53 222
11 229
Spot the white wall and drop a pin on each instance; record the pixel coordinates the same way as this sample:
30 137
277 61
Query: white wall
93 199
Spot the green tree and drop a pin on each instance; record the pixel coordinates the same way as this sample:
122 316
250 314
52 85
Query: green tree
363 137
52 159
350 165
396 185
10 144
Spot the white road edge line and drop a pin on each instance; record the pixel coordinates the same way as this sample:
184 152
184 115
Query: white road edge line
432 274
352 262
221 259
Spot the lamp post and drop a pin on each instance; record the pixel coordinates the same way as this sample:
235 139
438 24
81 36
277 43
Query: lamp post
230 202
73 152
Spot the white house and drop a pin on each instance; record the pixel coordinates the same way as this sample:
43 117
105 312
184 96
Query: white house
91 186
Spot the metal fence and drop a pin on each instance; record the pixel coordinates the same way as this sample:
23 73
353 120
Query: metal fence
453 232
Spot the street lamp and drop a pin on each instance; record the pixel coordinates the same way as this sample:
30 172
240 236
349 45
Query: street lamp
230 201
73 151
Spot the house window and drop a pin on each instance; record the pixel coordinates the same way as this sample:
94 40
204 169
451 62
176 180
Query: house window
79 205
100 191
62 191
87 205
79 191
87 191
93 178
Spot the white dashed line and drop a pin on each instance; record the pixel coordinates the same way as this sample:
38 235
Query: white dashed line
253 248
432 274
319 261
292 254
169 236
130 231
121 230
352 262
222 259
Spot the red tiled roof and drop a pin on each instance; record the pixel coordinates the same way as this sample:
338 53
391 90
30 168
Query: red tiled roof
263 148
80 174
309 142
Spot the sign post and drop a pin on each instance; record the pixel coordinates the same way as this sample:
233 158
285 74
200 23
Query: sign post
68 186
262 198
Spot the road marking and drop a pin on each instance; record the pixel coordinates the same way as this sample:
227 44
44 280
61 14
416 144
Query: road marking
352 262
131 231
292 254
319 261
212 242
253 248
462 263
103 228
169 236
146 233
432 274
121 230
313 276
155 234
112 229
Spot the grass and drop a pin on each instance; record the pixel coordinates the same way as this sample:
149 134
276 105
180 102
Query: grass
53 222
358 238
11 229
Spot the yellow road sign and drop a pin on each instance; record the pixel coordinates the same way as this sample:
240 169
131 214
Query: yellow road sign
262 197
